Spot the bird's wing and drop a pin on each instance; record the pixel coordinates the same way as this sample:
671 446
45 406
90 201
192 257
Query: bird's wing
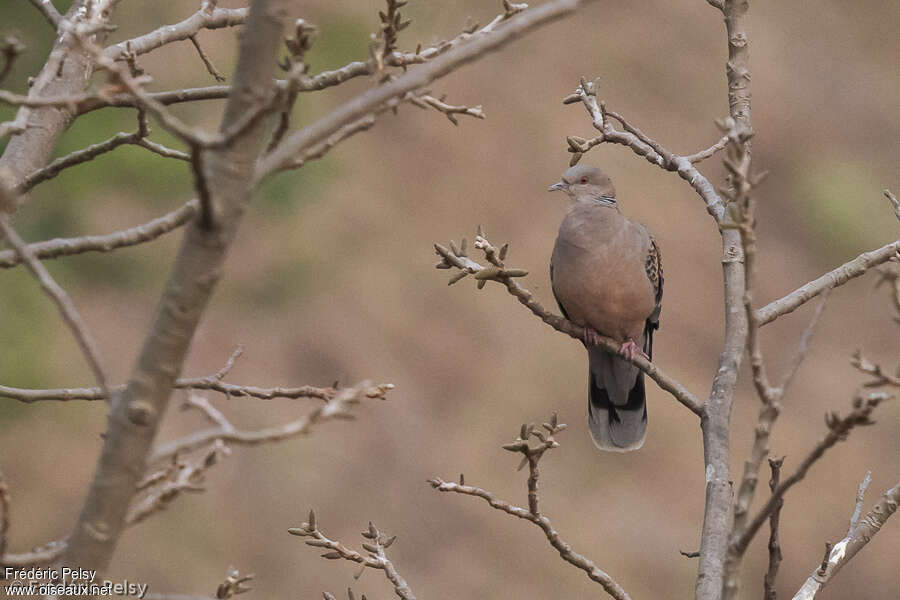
653 266
562 308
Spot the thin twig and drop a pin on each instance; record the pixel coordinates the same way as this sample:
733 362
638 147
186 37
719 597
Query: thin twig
803 345
774 545
210 68
104 243
10 48
49 11
66 308
89 153
643 145
476 46
338 406
183 476
531 457
860 494
215 19
882 377
894 202
709 152
838 430
375 557
425 101
233 585
196 383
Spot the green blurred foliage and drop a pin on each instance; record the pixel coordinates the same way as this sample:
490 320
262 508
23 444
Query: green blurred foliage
341 39
844 206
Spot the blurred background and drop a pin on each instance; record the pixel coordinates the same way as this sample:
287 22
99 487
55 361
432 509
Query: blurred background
332 278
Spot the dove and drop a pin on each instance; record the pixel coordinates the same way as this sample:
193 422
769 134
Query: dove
607 277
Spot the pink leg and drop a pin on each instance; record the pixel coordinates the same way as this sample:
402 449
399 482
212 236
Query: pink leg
630 350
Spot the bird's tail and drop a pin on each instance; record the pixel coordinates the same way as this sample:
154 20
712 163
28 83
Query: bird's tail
617 403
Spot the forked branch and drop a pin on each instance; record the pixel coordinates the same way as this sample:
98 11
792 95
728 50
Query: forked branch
532 443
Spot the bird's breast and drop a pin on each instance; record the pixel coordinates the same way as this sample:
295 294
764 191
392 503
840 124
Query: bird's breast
601 281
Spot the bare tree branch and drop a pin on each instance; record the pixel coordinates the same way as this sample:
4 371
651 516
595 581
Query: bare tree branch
63 303
368 121
834 278
858 535
196 383
860 496
774 545
475 47
709 152
136 413
50 13
641 144
66 73
162 488
743 210
838 430
91 152
881 377
449 110
104 243
10 48
205 18
210 67
457 258
531 457
39 556
716 442
802 346
376 558
895 204
338 406
233 585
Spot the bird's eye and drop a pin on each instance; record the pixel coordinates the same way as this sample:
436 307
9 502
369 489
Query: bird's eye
584 180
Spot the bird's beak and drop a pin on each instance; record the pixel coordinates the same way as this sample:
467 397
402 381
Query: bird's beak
559 185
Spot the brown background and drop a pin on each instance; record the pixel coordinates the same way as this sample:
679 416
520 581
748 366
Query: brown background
331 278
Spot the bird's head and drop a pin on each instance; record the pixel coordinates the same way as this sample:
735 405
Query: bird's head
583 182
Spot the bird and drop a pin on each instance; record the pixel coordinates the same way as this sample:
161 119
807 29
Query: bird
606 275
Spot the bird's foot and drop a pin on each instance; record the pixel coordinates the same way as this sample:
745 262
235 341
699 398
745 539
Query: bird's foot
630 350
591 337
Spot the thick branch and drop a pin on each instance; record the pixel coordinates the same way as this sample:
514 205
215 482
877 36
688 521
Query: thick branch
65 74
716 442
136 413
